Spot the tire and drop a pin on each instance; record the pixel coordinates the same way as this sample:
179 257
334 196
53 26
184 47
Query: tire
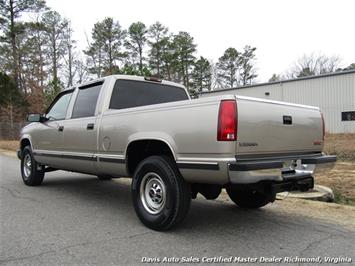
32 173
161 197
104 177
248 199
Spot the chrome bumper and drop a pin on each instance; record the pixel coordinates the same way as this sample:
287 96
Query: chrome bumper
279 169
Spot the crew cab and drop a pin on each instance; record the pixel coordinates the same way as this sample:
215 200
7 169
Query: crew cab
174 147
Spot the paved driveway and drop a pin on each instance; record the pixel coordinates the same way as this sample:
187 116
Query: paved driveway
77 219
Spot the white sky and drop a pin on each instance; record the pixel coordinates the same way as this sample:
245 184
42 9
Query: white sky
282 30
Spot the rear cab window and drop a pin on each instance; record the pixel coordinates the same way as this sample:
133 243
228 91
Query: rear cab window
132 93
86 100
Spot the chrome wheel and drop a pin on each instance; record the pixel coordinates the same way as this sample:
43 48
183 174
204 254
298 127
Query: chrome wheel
27 166
152 193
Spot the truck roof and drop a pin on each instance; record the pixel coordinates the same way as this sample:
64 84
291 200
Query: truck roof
127 77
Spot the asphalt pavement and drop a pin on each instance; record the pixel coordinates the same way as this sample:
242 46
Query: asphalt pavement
76 219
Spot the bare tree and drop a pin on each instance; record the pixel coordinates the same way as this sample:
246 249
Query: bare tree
313 64
216 82
82 73
70 56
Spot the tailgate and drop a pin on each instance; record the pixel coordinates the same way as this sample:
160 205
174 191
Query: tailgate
270 127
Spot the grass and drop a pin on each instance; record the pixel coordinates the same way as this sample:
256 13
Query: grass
342 145
341 178
341 199
10 145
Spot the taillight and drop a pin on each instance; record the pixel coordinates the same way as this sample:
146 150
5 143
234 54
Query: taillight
323 125
227 121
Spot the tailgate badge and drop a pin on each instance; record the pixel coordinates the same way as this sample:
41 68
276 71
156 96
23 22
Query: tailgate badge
248 144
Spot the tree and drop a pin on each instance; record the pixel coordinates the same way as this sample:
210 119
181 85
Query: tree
39 52
351 66
168 58
10 11
158 43
184 49
69 56
313 64
247 71
104 51
137 38
55 29
81 70
202 74
34 65
275 78
216 82
12 102
228 66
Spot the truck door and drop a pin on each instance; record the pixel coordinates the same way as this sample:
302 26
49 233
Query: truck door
80 131
48 139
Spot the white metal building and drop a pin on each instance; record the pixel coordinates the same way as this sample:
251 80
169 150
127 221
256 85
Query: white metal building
334 93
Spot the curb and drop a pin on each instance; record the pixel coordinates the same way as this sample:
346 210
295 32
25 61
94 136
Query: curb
319 193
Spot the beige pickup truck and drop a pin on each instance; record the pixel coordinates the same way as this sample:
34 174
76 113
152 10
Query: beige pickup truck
174 147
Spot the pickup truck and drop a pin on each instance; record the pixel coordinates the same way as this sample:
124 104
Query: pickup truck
174 147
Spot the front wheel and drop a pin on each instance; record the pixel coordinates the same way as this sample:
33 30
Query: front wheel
32 173
248 199
161 197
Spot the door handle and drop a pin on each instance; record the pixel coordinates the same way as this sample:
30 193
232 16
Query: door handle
90 126
287 120
61 128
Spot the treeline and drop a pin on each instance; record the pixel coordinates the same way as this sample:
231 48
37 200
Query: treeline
39 57
312 64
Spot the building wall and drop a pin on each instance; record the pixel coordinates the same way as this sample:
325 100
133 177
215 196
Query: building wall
334 94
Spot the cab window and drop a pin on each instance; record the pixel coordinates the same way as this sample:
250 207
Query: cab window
85 103
131 93
58 109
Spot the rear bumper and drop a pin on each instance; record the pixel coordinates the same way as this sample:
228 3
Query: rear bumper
281 169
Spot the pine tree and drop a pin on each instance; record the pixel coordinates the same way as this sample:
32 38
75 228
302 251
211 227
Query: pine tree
104 51
54 28
10 11
158 42
228 67
184 47
202 74
137 38
247 71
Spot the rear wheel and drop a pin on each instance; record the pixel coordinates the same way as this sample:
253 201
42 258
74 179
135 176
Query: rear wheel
248 199
161 197
32 173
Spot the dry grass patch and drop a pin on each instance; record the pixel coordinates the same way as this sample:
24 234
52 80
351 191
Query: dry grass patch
341 179
343 145
11 145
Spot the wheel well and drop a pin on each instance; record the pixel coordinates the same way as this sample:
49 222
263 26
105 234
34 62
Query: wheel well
138 150
24 143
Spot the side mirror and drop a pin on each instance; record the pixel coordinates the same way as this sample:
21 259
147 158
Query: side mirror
34 118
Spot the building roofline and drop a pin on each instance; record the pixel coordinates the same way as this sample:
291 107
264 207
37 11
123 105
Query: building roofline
351 71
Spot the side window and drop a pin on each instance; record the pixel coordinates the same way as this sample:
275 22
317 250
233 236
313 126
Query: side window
58 109
85 103
130 93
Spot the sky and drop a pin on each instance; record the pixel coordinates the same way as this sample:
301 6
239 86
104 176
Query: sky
282 30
